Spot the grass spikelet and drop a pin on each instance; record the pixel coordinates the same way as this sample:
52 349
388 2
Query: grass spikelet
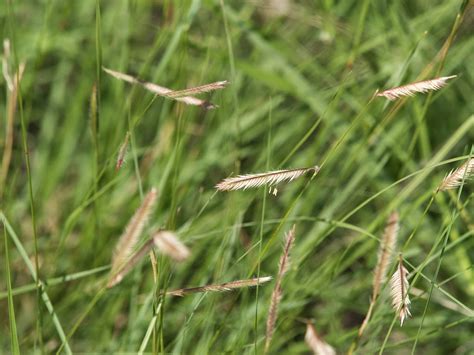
399 291
165 92
387 245
277 291
198 89
386 249
456 177
227 286
317 345
130 264
243 182
169 244
413 88
128 240
122 152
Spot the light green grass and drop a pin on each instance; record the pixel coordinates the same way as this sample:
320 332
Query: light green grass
301 94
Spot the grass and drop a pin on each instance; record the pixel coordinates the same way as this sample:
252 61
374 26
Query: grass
301 94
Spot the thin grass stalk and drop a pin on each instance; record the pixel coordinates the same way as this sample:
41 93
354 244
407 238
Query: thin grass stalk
15 346
26 152
38 283
277 291
122 152
438 268
159 90
94 126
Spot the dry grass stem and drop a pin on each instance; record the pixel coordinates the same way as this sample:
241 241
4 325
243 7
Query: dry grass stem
456 177
413 88
11 110
169 244
128 240
277 291
317 345
122 152
160 90
5 64
227 286
399 291
387 245
243 182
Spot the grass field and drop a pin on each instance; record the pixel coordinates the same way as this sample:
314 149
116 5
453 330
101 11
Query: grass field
302 80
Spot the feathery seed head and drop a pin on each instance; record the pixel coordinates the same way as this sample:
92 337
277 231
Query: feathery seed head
165 92
399 292
317 345
129 239
456 177
277 291
169 244
413 88
227 286
243 182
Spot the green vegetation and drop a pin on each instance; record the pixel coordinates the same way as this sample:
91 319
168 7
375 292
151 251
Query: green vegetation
301 94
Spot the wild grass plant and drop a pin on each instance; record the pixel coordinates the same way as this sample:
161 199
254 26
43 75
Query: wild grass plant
152 154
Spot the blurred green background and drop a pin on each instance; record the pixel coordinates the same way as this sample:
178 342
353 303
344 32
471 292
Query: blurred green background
302 77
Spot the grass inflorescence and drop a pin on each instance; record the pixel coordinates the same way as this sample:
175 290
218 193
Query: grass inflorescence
206 99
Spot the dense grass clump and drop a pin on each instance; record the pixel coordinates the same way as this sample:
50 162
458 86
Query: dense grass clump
99 144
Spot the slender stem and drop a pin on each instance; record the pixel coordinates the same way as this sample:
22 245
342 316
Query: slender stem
24 138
